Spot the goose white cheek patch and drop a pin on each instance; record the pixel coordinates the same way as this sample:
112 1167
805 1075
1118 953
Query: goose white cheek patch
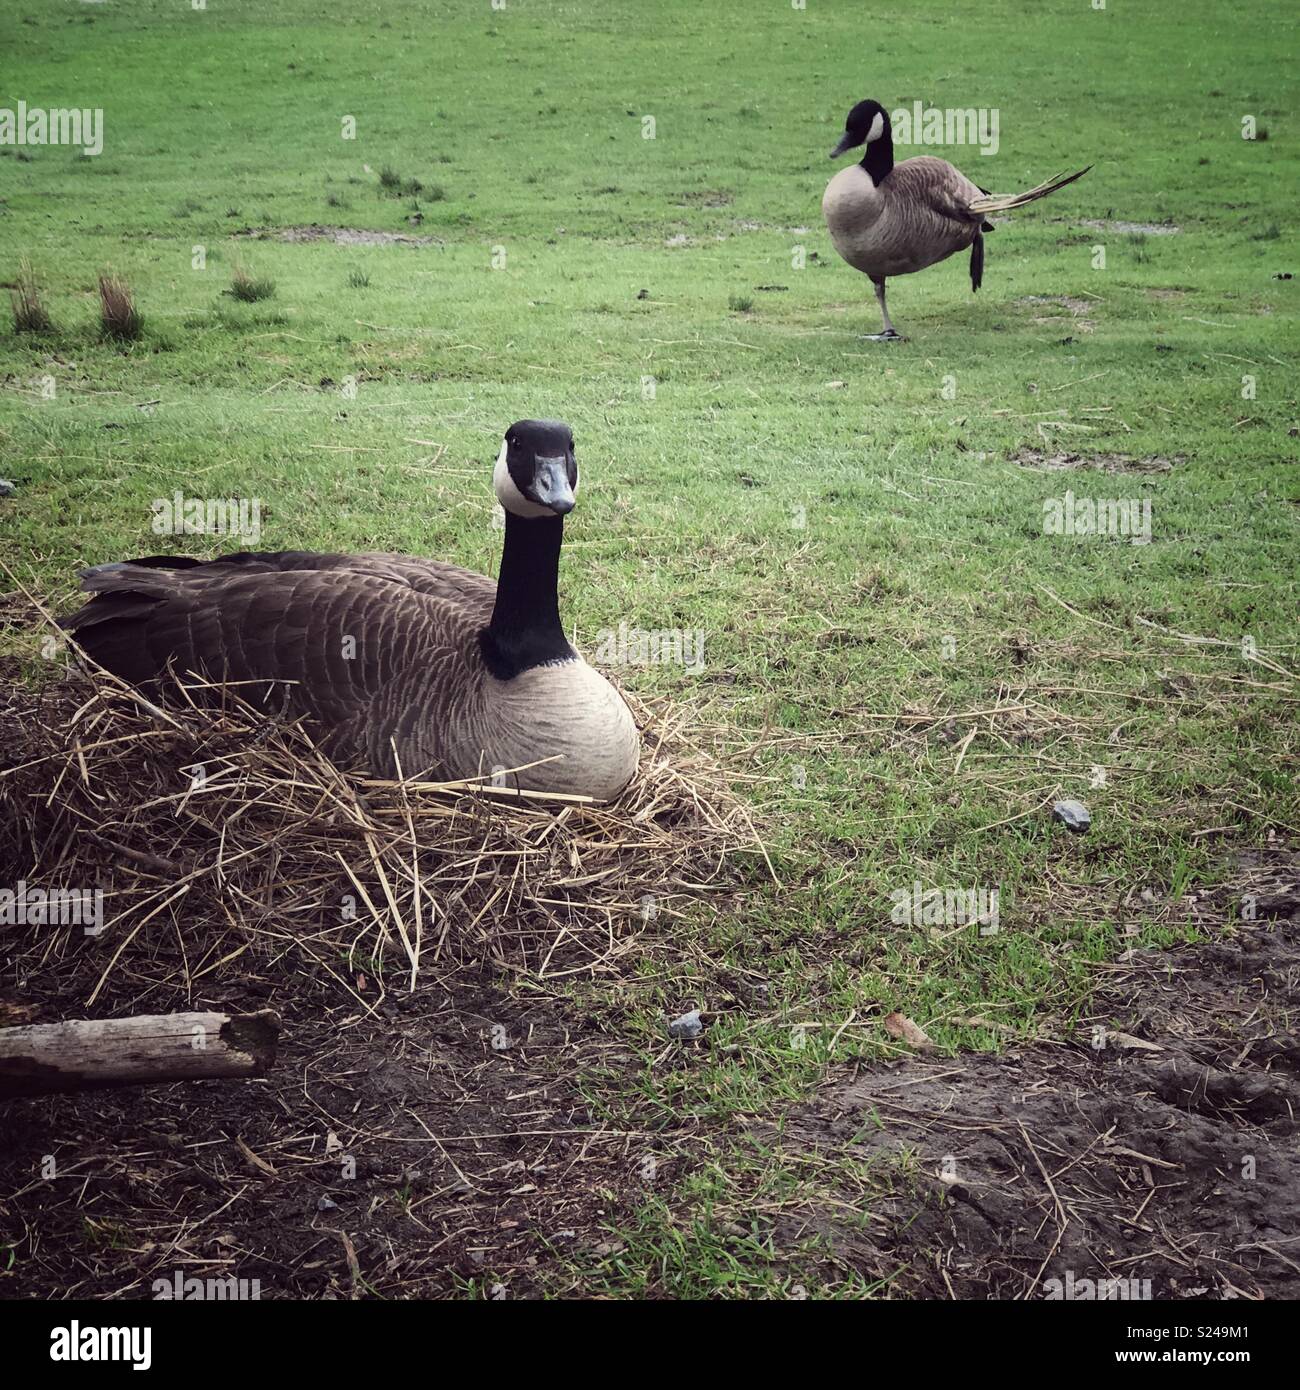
877 128
509 495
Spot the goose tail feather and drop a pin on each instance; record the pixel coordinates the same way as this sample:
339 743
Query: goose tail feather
1004 202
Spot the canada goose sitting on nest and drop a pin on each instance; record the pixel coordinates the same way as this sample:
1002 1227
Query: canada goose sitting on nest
397 662
892 219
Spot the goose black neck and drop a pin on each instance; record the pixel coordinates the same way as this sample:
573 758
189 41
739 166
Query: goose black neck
525 629
879 158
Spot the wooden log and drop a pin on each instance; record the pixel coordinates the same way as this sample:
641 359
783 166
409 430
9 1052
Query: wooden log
87 1054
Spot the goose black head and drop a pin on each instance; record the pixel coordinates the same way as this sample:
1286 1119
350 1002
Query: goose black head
536 473
864 125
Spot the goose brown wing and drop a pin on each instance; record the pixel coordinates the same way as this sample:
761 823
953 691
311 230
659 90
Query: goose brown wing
433 577
333 638
940 194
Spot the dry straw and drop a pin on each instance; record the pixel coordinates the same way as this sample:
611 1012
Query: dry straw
225 841
30 313
119 318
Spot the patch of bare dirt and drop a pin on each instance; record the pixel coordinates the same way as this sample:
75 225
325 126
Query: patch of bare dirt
705 198
1065 301
343 236
1156 1147
1103 463
1133 228
399 1149
1077 309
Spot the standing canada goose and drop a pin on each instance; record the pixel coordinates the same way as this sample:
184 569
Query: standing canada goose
887 219
397 662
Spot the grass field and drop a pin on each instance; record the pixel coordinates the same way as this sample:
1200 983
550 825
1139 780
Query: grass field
906 668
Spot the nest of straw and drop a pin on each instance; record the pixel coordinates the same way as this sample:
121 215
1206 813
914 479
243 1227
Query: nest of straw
228 847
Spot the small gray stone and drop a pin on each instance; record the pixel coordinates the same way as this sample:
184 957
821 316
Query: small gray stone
687 1026
326 1204
1074 815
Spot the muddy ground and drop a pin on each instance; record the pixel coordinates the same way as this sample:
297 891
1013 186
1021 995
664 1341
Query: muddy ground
1157 1151
442 1145
413 1153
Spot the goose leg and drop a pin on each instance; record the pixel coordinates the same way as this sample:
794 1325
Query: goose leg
888 334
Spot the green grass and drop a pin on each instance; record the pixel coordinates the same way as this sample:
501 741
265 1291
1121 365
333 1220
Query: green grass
846 521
